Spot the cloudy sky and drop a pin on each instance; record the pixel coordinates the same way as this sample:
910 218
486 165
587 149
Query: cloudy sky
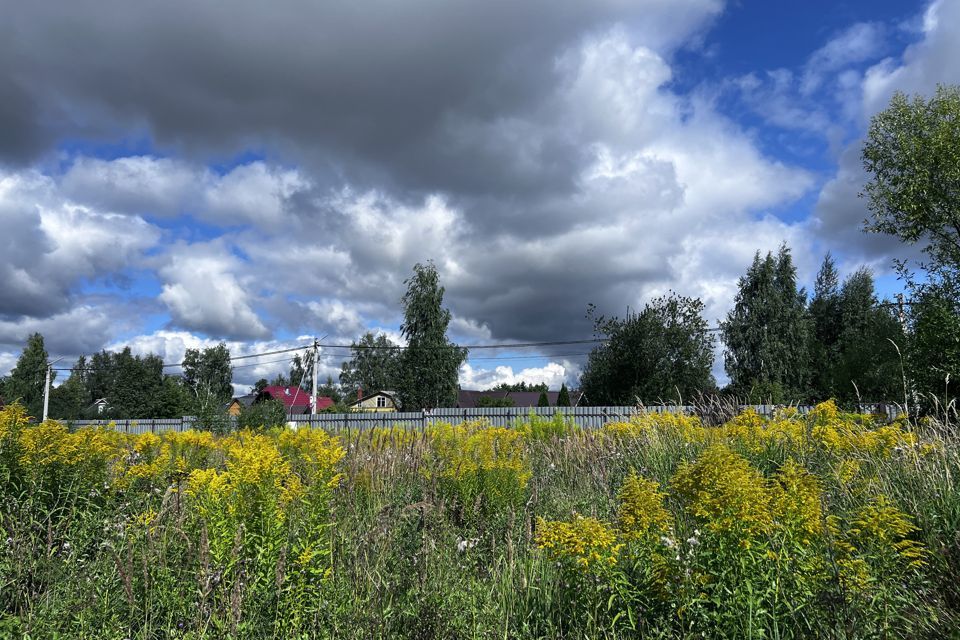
182 172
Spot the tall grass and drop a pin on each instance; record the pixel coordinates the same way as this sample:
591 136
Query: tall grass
828 525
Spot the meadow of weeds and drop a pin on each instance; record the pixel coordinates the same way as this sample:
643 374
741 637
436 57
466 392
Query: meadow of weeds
827 525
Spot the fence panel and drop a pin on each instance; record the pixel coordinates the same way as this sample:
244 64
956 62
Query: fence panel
585 417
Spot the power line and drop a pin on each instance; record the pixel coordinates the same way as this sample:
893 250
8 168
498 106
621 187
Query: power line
514 345
252 355
232 358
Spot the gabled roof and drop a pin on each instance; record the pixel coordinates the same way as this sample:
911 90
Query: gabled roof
373 394
294 399
467 399
244 400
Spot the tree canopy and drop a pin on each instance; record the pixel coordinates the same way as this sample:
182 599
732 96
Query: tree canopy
25 382
912 154
650 356
209 371
373 366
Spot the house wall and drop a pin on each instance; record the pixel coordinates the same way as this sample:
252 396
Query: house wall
370 404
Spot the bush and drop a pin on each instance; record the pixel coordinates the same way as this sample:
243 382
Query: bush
262 415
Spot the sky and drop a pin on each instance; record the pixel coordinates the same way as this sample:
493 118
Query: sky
177 173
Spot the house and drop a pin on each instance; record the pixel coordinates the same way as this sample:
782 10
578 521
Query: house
377 402
98 407
471 399
295 399
238 404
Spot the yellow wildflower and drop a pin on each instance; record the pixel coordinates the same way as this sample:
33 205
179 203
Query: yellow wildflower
796 499
641 508
723 491
585 541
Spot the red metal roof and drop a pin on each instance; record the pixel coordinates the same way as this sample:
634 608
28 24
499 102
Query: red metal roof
295 398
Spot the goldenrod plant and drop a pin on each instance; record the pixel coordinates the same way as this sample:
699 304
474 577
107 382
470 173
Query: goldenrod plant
825 524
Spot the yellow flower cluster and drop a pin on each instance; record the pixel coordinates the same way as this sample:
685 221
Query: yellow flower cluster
665 425
723 491
824 427
880 524
170 456
585 541
313 453
480 459
51 444
641 511
797 500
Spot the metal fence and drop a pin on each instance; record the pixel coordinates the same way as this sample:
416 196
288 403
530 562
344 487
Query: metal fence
585 417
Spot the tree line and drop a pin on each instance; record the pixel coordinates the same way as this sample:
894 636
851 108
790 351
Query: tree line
423 374
781 344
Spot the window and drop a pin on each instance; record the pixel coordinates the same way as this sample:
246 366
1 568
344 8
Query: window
381 402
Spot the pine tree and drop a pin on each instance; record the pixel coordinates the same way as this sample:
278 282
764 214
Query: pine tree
543 400
25 383
767 333
824 311
867 366
430 365
563 398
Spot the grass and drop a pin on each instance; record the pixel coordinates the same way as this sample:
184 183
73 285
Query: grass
829 525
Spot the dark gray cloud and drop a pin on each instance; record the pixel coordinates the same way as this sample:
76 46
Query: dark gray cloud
419 94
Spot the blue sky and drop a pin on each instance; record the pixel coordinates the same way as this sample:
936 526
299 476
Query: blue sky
179 177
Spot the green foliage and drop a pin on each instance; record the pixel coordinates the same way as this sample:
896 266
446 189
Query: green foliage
373 366
520 386
563 398
829 525
491 401
543 400
210 413
933 360
767 333
68 401
652 355
430 365
25 382
209 371
852 350
262 415
175 399
132 385
330 390
912 153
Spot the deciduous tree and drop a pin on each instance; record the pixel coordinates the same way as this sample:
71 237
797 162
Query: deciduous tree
430 365
650 356
373 366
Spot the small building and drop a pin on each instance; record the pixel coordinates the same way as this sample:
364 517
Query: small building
238 404
376 402
98 407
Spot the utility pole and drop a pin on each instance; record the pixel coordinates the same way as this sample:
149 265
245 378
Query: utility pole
316 365
46 389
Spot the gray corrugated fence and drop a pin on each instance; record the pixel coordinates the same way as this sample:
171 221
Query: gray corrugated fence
586 417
